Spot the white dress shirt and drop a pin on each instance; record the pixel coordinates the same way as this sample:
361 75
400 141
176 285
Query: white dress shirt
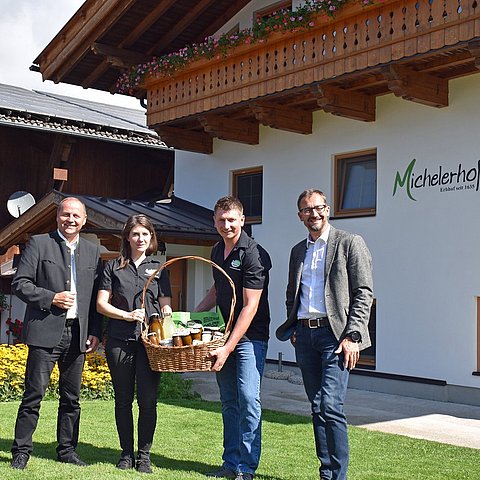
72 312
312 285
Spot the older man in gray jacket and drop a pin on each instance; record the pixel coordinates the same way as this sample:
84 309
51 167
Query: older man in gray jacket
329 296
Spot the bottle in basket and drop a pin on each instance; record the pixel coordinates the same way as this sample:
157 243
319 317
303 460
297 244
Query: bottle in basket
168 326
155 328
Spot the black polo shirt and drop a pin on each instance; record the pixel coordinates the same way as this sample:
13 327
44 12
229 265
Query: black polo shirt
247 265
127 285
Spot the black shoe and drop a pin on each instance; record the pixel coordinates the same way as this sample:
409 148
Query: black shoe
244 476
125 463
143 465
222 472
19 461
73 459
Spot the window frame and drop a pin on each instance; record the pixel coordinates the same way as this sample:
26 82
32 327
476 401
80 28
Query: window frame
340 176
235 175
269 9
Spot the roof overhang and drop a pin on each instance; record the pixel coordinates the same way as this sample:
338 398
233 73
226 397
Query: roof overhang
175 220
104 38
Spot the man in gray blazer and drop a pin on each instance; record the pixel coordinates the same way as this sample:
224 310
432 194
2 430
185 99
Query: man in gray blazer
329 296
56 279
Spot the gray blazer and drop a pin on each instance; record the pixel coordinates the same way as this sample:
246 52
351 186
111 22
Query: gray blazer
348 286
44 270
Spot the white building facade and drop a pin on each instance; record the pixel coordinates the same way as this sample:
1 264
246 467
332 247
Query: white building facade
423 238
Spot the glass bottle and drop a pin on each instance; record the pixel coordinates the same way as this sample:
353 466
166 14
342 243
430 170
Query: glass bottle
155 326
168 326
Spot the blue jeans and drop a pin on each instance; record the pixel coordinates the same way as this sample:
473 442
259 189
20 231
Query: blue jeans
239 383
325 379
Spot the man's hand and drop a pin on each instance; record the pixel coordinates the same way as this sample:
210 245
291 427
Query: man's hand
64 299
350 351
92 343
220 354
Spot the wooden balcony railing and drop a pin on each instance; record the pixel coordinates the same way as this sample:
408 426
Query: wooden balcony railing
356 40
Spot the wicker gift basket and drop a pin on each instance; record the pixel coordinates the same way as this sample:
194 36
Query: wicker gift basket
189 358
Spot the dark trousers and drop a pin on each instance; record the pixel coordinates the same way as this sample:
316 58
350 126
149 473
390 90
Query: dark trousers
129 367
40 363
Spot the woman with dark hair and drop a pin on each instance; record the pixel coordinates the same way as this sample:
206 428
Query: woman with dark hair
120 299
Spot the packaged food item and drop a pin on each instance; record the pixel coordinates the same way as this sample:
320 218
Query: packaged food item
206 336
177 339
152 337
186 337
196 333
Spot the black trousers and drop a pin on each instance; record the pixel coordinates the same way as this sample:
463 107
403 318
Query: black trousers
129 368
40 363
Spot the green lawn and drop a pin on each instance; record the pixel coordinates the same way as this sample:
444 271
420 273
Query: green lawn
188 444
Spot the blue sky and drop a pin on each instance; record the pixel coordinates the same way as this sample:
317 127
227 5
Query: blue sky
26 28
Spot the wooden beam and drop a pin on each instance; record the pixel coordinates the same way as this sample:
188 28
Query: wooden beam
125 58
281 117
188 140
59 157
182 25
463 57
345 103
119 57
76 44
112 56
419 87
162 7
474 49
221 20
229 129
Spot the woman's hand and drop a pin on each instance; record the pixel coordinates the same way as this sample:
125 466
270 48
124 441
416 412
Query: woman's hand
166 310
137 315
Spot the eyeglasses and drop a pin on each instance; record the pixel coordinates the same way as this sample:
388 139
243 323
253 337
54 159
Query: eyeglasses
309 210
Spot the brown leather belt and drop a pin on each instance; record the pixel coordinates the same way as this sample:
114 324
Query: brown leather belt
314 322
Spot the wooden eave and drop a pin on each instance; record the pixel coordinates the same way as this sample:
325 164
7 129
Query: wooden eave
104 37
411 48
40 218
176 221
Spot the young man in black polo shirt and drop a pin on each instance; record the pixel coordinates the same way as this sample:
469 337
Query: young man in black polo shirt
239 363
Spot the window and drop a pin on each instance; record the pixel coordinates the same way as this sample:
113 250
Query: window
264 13
247 186
234 30
355 180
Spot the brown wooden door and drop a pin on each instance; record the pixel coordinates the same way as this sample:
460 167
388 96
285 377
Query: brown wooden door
178 281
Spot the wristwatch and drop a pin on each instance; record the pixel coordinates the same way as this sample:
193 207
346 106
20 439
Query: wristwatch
355 336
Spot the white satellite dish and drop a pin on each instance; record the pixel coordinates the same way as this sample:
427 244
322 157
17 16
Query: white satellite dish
19 202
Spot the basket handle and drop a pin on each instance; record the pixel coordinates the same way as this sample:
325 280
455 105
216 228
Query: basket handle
228 326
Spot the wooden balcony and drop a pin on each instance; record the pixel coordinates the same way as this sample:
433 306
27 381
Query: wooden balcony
411 48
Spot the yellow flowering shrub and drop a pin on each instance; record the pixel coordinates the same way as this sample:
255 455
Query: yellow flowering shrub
96 380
